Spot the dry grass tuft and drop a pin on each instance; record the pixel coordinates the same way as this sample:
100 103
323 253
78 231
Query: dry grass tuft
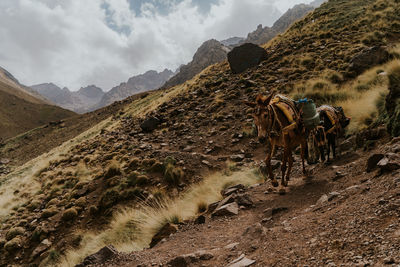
132 229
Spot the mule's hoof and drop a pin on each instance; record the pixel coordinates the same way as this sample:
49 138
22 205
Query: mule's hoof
275 183
282 191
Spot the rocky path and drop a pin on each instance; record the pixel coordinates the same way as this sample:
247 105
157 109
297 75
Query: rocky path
344 216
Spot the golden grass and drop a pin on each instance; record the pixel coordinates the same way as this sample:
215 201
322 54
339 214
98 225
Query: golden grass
132 229
362 104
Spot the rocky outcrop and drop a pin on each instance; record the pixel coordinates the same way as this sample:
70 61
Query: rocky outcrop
263 35
366 59
246 56
209 53
99 257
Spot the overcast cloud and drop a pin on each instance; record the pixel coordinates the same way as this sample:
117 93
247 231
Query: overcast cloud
75 43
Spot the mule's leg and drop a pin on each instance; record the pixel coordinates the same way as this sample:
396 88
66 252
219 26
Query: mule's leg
322 152
302 154
290 160
334 146
268 164
329 145
284 166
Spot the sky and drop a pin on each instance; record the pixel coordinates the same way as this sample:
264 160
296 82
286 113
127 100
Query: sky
76 43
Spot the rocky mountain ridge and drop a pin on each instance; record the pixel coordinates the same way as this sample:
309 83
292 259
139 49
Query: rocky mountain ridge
91 97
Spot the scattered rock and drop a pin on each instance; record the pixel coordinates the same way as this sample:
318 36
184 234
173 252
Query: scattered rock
44 245
366 59
373 161
227 210
390 162
150 124
232 246
232 189
333 195
244 200
323 199
13 232
242 261
164 232
237 158
100 256
246 56
188 259
13 245
69 214
200 219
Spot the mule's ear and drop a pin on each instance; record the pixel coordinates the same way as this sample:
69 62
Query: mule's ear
250 104
267 99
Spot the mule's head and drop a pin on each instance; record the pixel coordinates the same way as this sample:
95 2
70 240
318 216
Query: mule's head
343 120
263 118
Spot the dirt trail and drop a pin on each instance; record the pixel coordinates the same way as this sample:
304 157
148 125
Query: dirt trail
343 216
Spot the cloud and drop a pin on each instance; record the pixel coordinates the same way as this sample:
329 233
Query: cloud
104 42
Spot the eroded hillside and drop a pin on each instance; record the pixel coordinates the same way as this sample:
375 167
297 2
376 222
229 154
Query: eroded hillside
156 147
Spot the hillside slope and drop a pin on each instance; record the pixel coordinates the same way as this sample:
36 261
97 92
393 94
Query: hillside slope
91 191
21 110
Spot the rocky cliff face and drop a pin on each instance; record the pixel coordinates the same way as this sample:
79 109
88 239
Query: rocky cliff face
263 35
148 81
210 52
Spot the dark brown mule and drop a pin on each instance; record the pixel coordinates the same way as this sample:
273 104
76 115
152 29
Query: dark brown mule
282 130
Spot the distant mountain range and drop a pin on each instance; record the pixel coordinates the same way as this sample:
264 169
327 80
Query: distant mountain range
91 97
79 101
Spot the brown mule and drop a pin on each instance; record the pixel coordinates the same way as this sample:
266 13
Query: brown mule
278 119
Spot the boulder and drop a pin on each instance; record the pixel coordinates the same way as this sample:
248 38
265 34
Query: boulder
44 245
100 257
390 162
13 245
188 259
227 210
150 124
164 232
368 58
373 161
15 231
246 56
244 200
232 189
237 158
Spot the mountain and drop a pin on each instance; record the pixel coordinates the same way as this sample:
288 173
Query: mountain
263 35
148 81
21 109
79 101
210 52
233 41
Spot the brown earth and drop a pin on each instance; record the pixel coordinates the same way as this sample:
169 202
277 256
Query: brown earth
342 216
